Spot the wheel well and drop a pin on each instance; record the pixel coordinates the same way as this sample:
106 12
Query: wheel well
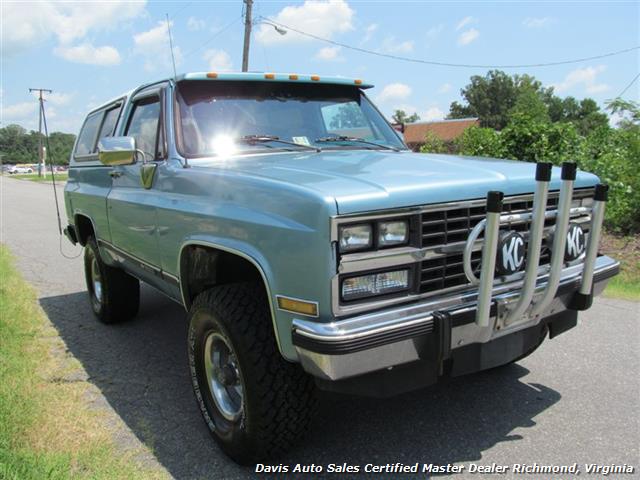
203 267
85 229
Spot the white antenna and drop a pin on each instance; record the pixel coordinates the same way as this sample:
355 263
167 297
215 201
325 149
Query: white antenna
173 59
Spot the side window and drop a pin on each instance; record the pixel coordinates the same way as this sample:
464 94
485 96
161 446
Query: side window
109 122
87 139
143 125
346 119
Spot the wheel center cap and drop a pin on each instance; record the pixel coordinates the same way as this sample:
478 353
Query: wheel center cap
227 375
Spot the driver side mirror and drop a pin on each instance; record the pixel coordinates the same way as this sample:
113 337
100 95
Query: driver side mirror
117 151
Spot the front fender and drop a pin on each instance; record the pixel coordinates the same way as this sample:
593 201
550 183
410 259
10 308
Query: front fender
281 323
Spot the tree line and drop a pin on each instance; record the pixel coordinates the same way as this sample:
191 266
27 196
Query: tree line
522 120
17 145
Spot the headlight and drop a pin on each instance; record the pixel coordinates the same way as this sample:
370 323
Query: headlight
375 284
355 237
393 233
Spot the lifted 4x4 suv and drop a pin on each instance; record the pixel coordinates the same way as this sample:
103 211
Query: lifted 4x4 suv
312 249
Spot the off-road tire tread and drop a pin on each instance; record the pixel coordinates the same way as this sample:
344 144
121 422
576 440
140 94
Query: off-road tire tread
285 401
121 291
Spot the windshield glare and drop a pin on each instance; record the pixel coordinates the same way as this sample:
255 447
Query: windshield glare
214 116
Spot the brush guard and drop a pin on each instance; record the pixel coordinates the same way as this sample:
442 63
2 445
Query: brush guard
526 307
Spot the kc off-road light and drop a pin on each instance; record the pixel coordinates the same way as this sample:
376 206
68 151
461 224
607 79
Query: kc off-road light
375 284
393 233
355 237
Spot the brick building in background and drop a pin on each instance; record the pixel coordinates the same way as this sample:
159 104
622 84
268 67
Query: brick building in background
445 130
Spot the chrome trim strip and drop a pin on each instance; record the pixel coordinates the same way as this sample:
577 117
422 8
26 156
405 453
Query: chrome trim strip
246 257
298 300
408 211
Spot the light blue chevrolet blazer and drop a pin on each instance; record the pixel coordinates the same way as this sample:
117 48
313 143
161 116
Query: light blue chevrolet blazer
312 249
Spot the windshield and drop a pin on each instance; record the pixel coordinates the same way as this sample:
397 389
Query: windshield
216 118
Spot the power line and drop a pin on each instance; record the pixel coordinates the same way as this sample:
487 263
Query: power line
448 64
210 39
629 86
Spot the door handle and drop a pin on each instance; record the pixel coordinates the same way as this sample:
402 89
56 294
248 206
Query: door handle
115 174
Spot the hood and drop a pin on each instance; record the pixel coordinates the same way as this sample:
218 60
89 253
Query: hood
366 180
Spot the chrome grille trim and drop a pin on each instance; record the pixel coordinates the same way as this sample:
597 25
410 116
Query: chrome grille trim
445 271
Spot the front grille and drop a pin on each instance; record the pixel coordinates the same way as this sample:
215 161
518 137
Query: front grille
448 229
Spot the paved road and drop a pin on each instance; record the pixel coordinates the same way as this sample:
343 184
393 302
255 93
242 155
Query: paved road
576 400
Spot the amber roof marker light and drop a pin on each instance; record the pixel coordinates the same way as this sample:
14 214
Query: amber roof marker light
212 75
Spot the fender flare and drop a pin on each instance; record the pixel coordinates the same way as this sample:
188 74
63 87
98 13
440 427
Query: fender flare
242 254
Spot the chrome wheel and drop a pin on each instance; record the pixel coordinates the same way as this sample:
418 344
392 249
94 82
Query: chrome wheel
96 281
223 376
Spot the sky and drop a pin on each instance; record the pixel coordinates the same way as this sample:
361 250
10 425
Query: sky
90 52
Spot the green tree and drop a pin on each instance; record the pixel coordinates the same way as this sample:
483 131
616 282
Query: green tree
434 144
400 116
628 109
529 104
491 97
585 115
19 146
481 142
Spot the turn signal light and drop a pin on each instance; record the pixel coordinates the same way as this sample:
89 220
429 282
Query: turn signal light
298 306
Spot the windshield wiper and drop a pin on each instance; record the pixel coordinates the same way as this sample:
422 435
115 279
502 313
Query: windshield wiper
253 139
344 138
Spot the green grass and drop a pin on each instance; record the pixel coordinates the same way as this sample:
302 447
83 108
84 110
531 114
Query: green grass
47 429
60 177
625 287
626 249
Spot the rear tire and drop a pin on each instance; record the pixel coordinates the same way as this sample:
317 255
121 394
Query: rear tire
114 294
255 404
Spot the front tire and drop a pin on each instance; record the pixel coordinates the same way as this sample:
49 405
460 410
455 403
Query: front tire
114 294
255 403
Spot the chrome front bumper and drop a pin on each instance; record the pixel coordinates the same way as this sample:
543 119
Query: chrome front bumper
386 339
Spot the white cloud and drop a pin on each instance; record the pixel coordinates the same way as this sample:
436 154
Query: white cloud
391 45
431 114
465 21
444 88
323 18
19 110
538 22
368 33
585 77
194 24
218 60
329 54
154 46
434 32
468 36
88 54
26 24
394 91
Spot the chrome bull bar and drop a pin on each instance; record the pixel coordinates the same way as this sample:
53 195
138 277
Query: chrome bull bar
491 226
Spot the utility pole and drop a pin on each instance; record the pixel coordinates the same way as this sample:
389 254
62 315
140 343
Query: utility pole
247 34
41 167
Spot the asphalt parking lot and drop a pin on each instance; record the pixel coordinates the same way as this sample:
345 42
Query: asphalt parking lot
576 400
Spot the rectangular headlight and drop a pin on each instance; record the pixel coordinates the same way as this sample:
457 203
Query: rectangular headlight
393 233
375 284
355 237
